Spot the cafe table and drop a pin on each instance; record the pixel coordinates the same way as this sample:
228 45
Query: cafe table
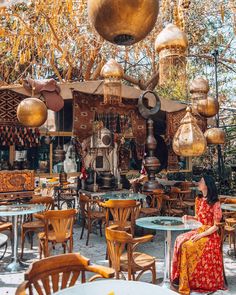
123 196
229 207
14 211
167 224
115 287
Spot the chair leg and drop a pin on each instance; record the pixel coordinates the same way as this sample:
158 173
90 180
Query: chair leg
23 233
83 226
89 229
100 227
154 274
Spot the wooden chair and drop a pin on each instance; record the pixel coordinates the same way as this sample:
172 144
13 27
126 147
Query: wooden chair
52 274
174 206
90 215
227 213
60 230
130 261
33 225
123 212
155 205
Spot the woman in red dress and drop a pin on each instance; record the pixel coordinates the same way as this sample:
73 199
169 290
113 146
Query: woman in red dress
197 263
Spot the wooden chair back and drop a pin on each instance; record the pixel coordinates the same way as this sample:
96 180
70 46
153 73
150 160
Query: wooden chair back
122 211
61 222
51 274
230 201
186 185
48 202
157 198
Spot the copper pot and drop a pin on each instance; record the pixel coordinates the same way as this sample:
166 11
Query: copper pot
123 22
59 154
215 136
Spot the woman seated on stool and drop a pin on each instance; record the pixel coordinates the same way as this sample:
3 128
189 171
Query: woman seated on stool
197 260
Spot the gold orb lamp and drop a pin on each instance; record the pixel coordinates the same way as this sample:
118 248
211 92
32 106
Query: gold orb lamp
207 107
123 22
189 140
171 45
215 136
112 72
32 112
199 88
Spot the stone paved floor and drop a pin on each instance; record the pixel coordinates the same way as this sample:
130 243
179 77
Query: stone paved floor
96 252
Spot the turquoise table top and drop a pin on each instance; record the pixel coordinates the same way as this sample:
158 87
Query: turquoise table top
123 196
20 209
230 207
118 287
167 223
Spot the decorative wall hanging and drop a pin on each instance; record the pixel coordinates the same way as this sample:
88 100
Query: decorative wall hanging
189 140
172 44
215 136
123 22
112 73
89 108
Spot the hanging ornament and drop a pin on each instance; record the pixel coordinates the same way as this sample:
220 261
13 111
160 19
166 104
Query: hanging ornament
32 112
199 88
207 107
123 22
47 139
172 44
189 140
215 136
59 154
112 73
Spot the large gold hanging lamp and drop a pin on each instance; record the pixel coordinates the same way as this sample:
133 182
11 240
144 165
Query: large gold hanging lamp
112 72
215 136
32 112
172 44
123 22
189 140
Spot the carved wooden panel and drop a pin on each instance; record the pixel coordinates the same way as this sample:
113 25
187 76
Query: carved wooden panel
87 105
9 101
11 181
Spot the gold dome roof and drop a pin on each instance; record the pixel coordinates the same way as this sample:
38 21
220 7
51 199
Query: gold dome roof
171 36
112 69
199 84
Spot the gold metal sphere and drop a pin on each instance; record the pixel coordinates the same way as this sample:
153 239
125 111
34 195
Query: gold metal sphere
189 140
32 112
215 136
112 69
199 85
123 22
207 107
171 36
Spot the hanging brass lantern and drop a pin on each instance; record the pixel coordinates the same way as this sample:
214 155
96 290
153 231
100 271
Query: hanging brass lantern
112 73
215 136
32 112
59 154
199 88
172 44
208 107
123 22
189 140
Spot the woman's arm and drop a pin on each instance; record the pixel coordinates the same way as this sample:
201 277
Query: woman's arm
206 233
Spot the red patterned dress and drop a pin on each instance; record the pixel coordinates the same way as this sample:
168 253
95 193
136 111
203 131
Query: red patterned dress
198 266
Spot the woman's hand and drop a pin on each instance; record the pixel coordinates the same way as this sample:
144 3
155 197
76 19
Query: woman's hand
196 237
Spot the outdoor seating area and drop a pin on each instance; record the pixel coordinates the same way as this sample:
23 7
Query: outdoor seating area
117 147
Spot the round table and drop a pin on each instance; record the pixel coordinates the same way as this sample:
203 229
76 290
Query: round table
123 196
229 207
15 211
118 287
168 224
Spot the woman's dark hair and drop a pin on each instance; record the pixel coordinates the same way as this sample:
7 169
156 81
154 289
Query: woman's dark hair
212 194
